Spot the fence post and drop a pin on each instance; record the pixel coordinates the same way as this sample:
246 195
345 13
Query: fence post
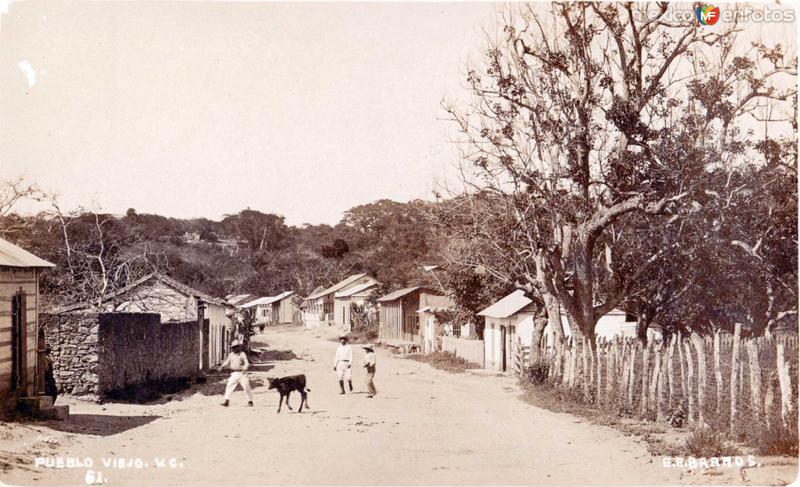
755 377
632 372
700 345
610 366
645 372
585 368
689 383
671 372
717 372
737 332
785 381
600 346
654 380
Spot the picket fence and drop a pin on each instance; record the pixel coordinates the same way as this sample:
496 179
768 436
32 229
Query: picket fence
723 380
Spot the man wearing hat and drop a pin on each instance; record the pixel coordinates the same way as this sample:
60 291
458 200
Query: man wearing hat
342 362
369 364
238 363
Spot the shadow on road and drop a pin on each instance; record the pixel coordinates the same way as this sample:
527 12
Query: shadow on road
100 424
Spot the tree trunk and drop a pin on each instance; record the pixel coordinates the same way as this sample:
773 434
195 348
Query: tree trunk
553 309
536 339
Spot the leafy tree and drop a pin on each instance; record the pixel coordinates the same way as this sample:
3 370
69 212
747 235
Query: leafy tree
584 114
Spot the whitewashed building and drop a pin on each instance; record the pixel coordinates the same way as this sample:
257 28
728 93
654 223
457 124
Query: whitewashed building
508 322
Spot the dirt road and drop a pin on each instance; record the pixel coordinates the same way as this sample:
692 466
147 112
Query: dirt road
424 427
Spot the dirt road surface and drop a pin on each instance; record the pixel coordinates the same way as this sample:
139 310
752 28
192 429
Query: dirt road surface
425 427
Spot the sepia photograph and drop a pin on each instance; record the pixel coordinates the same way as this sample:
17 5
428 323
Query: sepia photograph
390 243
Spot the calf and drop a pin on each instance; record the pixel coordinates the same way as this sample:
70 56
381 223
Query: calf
285 386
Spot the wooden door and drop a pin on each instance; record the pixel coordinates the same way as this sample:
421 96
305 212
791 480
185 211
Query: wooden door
19 339
503 348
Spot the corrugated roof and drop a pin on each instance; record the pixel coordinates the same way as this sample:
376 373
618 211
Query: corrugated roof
14 256
337 286
355 290
434 302
255 302
281 296
267 299
507 306
402 292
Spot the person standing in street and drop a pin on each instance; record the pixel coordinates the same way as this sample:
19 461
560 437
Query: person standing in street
238 364
369 364
342 362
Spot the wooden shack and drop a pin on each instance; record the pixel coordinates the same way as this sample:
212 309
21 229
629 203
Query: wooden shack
21 367
399 320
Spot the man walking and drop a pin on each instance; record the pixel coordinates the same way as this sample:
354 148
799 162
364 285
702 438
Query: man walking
369 364
342 362
238 364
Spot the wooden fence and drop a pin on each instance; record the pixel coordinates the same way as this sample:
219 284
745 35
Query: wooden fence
724 381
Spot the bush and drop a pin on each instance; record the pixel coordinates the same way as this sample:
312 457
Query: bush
537 372
777 441
444 361
705 442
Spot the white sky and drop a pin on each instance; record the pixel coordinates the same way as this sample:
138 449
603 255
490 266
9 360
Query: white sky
202 109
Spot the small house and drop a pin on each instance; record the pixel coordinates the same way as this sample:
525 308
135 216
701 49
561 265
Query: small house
285 310
615 323
319 308
509 324
22 343
346 299
399 320
431 326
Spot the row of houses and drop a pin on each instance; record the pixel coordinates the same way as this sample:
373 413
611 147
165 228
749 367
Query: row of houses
416 318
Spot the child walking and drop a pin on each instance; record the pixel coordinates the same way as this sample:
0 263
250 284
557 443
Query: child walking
238 364
369 364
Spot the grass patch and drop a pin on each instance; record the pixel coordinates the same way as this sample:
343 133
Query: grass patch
444 361
705 442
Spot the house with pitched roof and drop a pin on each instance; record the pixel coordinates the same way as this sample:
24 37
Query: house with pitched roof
319 306
399 320
274 310
509 323
343 302
174 302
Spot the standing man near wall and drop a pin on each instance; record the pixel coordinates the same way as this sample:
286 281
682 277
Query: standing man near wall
342 363
238 363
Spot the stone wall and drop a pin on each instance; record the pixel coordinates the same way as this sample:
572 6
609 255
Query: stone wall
99 354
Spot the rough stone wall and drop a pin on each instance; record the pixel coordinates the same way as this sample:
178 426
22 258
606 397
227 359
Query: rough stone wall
74 351
100 353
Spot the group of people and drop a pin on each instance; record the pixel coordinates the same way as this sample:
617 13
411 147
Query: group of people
238 364
343 361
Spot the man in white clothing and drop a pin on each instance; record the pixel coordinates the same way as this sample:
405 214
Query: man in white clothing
342 363
238 364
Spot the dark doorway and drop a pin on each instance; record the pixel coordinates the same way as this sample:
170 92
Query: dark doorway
19 338
503 347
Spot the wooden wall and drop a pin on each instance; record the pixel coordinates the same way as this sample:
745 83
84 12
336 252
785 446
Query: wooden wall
11 281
